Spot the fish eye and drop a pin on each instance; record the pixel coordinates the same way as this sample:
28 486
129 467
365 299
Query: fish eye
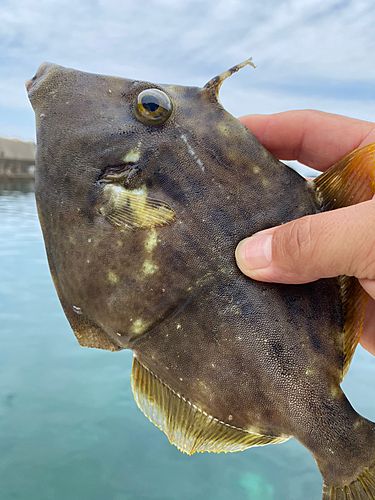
153 107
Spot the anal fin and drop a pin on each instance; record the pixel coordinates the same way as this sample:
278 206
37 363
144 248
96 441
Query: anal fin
188 427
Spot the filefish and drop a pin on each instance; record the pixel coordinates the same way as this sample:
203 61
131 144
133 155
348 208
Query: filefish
143 192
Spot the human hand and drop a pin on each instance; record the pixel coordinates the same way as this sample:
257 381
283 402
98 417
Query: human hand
322 245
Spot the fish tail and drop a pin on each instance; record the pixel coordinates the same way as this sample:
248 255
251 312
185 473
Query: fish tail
351 476
362 488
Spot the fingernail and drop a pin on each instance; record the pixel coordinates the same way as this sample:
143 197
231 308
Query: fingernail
254 252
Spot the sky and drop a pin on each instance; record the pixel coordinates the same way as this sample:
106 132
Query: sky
309 53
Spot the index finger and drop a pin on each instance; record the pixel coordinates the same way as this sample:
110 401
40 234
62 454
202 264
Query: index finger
314 138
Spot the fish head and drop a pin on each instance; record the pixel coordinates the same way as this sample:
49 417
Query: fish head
127 187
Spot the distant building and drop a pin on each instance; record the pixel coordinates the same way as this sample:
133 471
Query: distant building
17 159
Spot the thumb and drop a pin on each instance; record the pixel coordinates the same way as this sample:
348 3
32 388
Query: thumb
317 246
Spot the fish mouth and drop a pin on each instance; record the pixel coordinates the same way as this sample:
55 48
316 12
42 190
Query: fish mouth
40 76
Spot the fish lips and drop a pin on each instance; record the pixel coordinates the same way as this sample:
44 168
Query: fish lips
39 79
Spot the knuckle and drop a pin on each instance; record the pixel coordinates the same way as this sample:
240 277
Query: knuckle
362 258
297 242
366 264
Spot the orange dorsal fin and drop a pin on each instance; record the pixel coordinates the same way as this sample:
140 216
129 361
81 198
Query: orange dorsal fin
350 181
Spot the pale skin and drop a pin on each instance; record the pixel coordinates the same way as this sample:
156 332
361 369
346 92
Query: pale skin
323 245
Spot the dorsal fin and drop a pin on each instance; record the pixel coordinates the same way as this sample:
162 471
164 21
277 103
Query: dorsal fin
349 181
188 427
354 300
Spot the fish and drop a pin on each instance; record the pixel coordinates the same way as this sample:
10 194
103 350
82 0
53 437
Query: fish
143 192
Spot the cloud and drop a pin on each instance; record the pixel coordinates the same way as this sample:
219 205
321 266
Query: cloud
310 51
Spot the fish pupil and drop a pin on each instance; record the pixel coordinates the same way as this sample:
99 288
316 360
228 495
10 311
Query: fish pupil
150 103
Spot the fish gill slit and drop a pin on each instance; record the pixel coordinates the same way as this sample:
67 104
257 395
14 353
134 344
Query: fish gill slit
117 172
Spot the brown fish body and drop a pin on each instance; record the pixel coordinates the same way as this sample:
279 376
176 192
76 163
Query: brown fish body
126 206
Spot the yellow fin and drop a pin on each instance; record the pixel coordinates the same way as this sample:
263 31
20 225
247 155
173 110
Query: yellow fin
349 181
363 488
188 427
134 209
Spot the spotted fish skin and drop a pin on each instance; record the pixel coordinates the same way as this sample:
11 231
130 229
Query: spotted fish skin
140 224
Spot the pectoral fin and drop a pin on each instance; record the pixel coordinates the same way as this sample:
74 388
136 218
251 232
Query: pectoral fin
134 208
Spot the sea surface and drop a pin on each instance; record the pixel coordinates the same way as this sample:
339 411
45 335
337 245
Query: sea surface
69 428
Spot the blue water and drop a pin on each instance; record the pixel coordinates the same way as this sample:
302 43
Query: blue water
69 429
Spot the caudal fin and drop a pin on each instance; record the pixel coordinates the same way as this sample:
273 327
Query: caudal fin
348 466
362 488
